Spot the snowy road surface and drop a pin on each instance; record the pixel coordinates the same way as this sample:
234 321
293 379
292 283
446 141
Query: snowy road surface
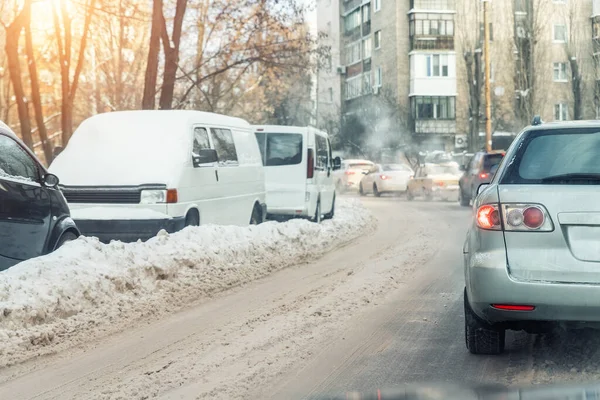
382 311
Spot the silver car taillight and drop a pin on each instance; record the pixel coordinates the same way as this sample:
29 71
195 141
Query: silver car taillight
526 217
516 217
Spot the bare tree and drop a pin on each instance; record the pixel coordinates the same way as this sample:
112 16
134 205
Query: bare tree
63 31
577 49
13 33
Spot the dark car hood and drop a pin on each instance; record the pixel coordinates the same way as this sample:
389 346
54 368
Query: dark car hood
457 392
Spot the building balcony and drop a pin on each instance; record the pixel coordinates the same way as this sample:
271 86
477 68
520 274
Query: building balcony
435 127
428 42
350 5
433 86
434 5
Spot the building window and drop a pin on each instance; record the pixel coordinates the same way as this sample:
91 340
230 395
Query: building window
366 13
483 33
353 53
431 27
561 112
522 6
437 65
560 1
560 33
560 72
367 48
377 39
353 87
367 85
378 77
329 27
330 90
426 107
352 21
377 5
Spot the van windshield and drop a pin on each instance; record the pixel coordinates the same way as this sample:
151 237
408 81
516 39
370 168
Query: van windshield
280 148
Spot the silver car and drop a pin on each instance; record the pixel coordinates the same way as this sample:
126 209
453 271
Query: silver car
532 254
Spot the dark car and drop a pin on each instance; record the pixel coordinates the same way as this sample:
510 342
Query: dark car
34 215
479 171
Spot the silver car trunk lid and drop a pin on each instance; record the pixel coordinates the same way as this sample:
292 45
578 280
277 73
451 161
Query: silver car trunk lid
571 251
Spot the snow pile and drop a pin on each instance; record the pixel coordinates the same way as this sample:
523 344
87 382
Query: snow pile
87 286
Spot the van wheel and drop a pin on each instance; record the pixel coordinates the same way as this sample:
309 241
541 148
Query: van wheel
256 217
376 191
481 337
361 190
317 218
330 214
192 218
65 238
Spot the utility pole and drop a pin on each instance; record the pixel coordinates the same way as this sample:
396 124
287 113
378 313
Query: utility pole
488 74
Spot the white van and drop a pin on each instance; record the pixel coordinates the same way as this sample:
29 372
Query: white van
127 175
298 171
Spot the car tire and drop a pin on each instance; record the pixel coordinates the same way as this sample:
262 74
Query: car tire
256 217
376 191
65 238
462 199
360 190
428 196
192 218
331 214
317 218
481 337
409 195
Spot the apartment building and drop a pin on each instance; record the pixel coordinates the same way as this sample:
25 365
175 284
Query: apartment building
544 58
432 57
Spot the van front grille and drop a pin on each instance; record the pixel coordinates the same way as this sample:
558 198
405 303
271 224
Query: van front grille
105 196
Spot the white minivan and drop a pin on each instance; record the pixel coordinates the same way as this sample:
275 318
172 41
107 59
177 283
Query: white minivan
298 171
126 175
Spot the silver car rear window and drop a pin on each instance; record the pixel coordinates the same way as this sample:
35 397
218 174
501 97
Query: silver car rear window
545 154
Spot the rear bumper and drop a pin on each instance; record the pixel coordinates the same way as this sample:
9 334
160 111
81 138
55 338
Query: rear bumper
445 193
385 186
489 283
300 211
128 230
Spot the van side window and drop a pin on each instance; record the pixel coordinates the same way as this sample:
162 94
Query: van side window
225 146
322 152
200 140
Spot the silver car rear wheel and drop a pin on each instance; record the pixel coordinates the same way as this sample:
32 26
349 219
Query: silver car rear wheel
480 337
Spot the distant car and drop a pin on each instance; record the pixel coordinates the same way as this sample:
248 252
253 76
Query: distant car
298 171
129 174
386 178
478 171
531 255
435 181
349 176
34 216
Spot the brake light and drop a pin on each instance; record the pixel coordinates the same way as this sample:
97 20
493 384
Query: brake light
310 169
384 177
488 217
513 307
483 175
439 183
527 217
172 196
350 172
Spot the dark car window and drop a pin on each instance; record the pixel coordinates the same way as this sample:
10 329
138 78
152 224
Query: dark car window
281 148
322 152
491 160
201 141
15 162
544 154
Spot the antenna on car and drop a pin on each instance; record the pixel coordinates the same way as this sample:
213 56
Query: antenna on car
537 120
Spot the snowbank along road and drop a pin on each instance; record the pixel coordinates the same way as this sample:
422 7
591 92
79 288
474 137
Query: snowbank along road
379 312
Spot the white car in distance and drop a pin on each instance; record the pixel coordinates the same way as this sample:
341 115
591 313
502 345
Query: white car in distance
349 176
386 178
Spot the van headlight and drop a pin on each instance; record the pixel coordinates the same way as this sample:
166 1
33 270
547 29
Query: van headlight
153 196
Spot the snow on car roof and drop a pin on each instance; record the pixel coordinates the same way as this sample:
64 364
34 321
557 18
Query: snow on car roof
133 147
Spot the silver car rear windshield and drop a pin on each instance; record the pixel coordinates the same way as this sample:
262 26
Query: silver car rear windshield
569 156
